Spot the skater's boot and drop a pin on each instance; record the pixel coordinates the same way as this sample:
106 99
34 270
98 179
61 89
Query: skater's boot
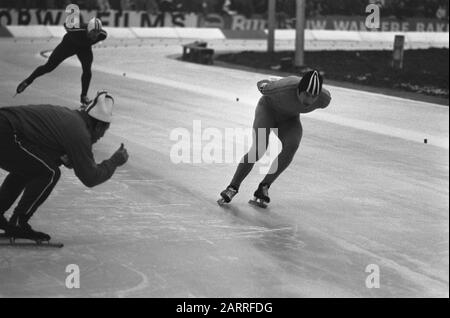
3 223
261 196
85 101
228 194
19 229
263 193
22 86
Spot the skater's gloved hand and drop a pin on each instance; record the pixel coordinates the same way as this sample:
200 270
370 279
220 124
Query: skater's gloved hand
66 162
262 84
120 157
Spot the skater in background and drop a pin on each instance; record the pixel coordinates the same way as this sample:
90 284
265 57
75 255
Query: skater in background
282 102
79 42
35 141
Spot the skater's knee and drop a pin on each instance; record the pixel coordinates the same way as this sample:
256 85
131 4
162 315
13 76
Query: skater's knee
48 67
86 65
53 175
56 175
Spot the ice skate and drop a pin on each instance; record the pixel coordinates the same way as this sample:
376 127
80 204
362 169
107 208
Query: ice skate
84 101
25 232
22 86
261 199
227 195
17 229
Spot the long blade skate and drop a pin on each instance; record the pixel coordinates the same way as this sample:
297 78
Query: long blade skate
259 203
227 196
13 241
221 202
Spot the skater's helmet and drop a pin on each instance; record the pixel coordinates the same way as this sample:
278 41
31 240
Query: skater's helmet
101 108
94 24
311 83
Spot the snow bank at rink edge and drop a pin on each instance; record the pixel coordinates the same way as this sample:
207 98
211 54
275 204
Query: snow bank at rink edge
433 39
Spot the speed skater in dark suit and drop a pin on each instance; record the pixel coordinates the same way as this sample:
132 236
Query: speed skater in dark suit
79 42
35 140
279 108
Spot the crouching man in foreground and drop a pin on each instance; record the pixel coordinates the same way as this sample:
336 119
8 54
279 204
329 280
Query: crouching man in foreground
35 141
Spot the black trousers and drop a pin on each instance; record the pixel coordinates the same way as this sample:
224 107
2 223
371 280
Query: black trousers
63 51
29 172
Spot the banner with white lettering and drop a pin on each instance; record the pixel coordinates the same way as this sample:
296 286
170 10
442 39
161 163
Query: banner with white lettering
343 23
116 18
111 18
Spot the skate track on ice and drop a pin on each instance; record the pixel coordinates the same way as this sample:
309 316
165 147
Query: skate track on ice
363 189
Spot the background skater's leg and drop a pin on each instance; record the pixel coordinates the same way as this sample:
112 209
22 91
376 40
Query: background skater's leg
59 54
86 57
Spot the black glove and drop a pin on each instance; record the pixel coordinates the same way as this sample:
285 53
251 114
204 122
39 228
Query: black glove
66 162
262 84
120 157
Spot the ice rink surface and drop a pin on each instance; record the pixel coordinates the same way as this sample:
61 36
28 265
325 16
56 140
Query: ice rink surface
363 189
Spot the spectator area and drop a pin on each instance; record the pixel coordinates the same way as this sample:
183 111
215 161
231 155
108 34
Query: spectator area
314 8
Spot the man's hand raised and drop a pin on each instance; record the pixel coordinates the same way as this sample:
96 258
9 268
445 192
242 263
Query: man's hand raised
120 157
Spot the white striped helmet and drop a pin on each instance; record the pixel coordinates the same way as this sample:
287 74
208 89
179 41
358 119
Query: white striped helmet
101 108
94 24
311 83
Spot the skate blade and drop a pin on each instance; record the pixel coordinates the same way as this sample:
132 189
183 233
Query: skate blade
221 202
258 203
19 242
31 244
